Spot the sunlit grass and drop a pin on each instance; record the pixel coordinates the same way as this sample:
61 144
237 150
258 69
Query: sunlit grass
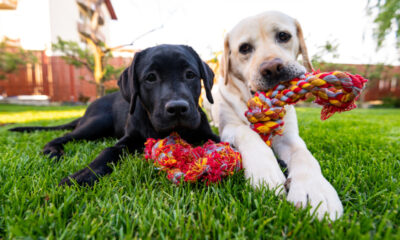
358 152
25 114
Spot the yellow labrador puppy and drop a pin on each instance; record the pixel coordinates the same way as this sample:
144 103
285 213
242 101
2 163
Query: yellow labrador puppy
260 52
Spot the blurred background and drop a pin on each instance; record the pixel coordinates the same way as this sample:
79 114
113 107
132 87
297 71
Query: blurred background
72 51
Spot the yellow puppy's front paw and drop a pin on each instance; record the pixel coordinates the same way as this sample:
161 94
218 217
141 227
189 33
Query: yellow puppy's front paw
269 177
317 192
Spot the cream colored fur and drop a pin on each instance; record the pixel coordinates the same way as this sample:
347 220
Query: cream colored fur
240 74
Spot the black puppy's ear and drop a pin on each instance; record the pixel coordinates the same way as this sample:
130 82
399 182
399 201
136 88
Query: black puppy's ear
123 84
129 84
206 74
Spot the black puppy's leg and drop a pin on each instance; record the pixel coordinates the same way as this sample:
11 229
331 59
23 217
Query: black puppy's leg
54 148
100 166
88 129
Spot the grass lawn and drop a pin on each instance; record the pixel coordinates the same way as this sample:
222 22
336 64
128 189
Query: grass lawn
359 153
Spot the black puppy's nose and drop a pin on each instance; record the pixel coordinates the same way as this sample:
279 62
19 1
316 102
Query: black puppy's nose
271 69
176 108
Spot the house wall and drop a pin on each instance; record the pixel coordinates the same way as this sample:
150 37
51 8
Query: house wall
64 16
107 22
38 23
30 23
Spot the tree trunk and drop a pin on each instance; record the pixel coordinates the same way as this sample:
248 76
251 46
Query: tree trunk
98 67
100 89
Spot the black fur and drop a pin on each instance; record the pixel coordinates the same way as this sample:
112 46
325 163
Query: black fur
141 109
68 126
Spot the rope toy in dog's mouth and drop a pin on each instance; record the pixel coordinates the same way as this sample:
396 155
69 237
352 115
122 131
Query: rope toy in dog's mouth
209 163
335 91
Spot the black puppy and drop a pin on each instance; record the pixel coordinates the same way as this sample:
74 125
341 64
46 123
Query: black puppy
158 94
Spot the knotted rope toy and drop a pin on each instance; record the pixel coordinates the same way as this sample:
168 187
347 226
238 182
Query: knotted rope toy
335 91
209 163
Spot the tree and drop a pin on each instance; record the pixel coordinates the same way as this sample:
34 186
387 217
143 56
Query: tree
95 57
99 51
387 20
96 62
11 58
328 50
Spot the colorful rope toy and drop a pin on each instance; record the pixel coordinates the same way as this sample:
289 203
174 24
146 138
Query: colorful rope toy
335 91
181 161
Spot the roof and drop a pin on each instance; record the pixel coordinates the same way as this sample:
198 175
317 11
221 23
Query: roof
110 9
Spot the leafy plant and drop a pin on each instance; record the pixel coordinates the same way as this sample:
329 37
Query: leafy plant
11 58
328 49
391 101
387 20
79 57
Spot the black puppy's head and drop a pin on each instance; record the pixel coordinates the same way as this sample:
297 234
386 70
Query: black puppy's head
166 79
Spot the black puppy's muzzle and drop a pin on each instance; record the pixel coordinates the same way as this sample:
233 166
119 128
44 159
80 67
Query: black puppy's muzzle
180 113
175 114
177 108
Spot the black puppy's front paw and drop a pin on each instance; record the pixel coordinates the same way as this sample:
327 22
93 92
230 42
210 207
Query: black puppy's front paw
53 151
82 177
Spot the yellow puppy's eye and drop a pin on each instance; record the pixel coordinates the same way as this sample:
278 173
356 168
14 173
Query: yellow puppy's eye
245 48
283 37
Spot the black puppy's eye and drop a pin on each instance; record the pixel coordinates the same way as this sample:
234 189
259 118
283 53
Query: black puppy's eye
190 75
151 78
283 37
245 48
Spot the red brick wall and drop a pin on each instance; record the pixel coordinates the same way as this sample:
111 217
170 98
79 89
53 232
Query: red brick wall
384 81
27 80
61 78
52 76
64 83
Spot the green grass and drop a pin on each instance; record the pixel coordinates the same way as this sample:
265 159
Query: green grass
358 152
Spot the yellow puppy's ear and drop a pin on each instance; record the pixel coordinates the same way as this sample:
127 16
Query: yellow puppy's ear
225 60
303 48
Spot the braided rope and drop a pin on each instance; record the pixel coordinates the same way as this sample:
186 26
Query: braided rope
335 91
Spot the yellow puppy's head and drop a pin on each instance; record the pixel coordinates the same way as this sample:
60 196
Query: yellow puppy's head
262 51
